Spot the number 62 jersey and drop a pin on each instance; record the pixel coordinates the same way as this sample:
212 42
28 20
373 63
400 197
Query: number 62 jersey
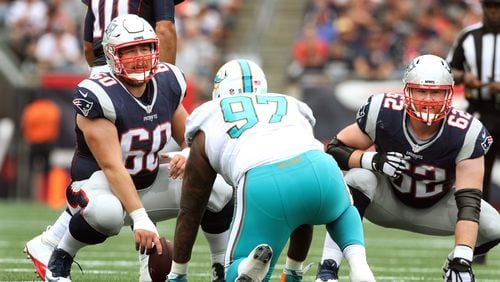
431 171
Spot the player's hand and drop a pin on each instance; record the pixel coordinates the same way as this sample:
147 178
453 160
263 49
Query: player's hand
177 162
391 163
459 270
145 232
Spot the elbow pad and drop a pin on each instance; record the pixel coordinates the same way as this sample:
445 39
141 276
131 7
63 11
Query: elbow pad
468 204
340 152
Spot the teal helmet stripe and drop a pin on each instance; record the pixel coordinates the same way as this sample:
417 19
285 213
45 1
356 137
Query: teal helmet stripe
246 76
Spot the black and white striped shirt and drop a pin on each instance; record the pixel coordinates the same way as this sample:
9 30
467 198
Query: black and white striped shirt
477 50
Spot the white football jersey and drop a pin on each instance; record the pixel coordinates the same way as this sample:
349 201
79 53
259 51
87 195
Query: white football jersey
244 131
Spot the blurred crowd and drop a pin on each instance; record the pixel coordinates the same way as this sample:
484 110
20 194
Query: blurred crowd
375 39
46 35
46 42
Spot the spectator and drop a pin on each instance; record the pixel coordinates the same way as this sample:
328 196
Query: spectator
26 21
373 61
310 51
58 50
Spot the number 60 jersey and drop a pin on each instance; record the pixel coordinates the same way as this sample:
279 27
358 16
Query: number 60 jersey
143 124
247 130
431 171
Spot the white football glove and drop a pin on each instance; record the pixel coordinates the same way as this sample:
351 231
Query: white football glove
391 163
459 270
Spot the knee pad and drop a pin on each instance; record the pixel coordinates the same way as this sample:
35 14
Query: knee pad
362 180
83 232
216 223
105 214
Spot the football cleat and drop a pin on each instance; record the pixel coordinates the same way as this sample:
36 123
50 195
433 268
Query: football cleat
255 267
218 274
174 277
59 267
289 275
39 250
328 271
143 268
360 272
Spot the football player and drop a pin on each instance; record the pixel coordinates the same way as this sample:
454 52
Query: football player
124 118
160 14
425 172
263 145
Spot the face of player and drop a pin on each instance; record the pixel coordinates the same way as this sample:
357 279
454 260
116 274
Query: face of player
136 60
428 102
491 15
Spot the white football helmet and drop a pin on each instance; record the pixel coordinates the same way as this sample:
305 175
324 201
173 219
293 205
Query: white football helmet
125 31
428 72
237 77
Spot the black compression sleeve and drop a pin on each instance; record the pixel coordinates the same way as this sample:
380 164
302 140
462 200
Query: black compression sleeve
468 204
340 152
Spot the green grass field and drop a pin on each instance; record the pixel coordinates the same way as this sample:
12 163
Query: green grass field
393 255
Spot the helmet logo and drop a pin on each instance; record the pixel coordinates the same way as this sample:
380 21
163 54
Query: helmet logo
112 26
411 66
218 78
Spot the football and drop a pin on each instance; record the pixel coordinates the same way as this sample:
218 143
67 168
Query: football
159 265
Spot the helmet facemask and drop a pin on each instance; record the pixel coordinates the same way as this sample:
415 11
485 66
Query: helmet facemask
136 69
428 110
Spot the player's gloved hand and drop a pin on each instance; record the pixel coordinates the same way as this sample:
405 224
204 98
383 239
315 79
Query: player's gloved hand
175 277
390 163
145 232
459 270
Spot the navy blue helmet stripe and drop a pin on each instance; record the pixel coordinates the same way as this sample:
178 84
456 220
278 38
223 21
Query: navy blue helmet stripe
246 76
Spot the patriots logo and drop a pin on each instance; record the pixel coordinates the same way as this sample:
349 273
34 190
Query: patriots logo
487 141
111 27
362 111
83 105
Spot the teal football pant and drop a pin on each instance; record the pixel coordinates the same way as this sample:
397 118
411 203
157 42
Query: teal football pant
274 199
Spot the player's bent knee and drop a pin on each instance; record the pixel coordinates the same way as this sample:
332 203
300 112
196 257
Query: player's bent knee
105 214
216 223
81 230
362 180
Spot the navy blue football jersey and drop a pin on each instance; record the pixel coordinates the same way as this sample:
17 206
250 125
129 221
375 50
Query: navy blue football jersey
101 12
431 171
143 125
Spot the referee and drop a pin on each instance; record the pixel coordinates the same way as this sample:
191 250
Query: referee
475 61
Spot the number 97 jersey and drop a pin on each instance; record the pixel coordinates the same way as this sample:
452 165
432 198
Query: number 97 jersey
431 172
244 131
